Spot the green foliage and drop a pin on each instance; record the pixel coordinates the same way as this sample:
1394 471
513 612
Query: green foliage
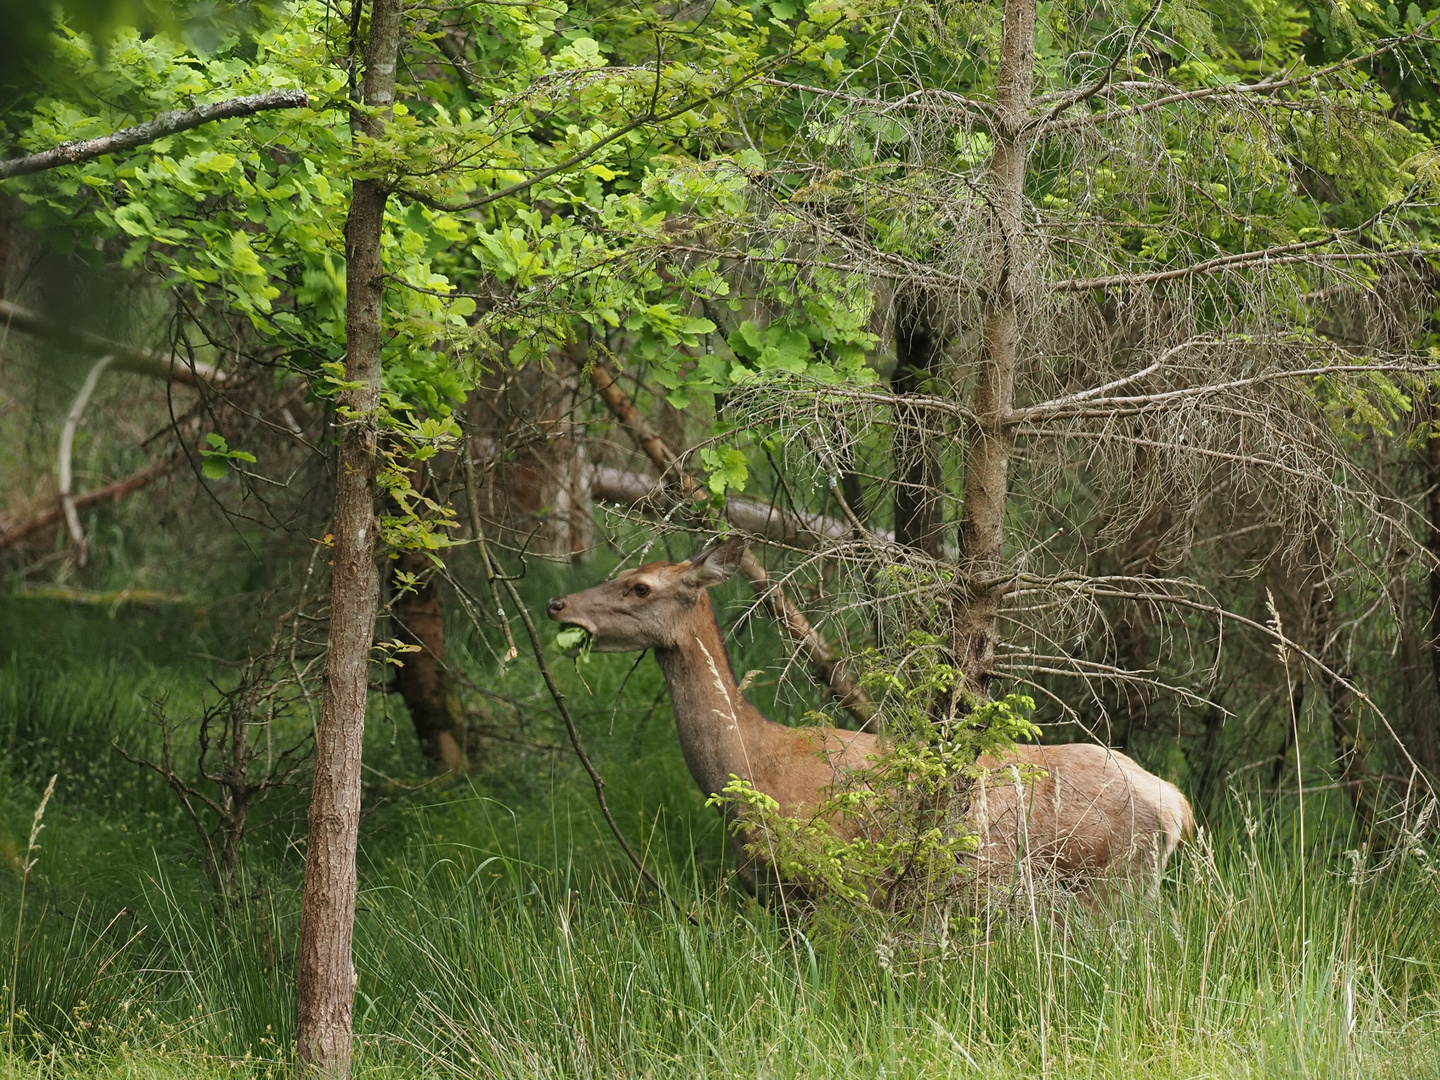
573 641
389 652
727 468
216 457
893 835
1358 404
248 215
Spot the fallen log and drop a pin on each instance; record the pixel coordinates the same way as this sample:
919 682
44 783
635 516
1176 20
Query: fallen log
123 357
111 598
15 534
789 528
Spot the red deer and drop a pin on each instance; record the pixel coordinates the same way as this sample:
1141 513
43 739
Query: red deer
1089 813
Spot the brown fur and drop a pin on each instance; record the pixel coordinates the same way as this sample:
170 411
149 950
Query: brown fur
1092 814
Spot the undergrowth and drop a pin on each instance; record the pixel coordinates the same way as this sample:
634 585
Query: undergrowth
498 936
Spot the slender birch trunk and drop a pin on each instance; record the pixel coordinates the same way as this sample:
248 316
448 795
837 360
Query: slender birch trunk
991 440
327 975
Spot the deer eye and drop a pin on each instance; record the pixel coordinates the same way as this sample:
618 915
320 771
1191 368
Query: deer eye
640 589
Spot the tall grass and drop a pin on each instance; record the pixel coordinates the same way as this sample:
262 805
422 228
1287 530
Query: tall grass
495 970
27 864
489 967
498 936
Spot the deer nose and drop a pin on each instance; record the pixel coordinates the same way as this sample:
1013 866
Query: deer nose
555 607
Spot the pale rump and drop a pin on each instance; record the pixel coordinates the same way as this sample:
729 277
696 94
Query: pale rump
1092 815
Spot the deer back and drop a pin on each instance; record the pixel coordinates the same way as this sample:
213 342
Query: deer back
1082 811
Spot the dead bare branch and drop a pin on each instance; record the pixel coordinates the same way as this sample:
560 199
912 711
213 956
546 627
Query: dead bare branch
126 357
22 530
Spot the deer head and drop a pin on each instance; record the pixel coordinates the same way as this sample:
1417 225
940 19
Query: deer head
649 607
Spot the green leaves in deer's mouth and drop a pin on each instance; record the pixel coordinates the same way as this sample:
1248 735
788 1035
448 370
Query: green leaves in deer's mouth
574 641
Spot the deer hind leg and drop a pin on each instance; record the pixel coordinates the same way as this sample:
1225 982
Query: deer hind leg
749 871
1147 860
758 878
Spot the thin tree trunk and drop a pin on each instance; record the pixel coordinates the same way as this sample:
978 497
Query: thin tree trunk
1351 746
1431 462
919 506
8 218
1420 720
1210 776
991 440
424 681
326 973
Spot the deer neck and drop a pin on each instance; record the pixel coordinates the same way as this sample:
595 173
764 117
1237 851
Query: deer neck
720 732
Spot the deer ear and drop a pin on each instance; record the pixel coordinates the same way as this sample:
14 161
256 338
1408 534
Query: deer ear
716 563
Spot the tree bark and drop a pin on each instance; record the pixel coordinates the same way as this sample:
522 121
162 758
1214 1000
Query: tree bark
326 973
991 439
919 502
423 679
8 218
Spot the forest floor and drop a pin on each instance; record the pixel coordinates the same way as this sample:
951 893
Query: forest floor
500 936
